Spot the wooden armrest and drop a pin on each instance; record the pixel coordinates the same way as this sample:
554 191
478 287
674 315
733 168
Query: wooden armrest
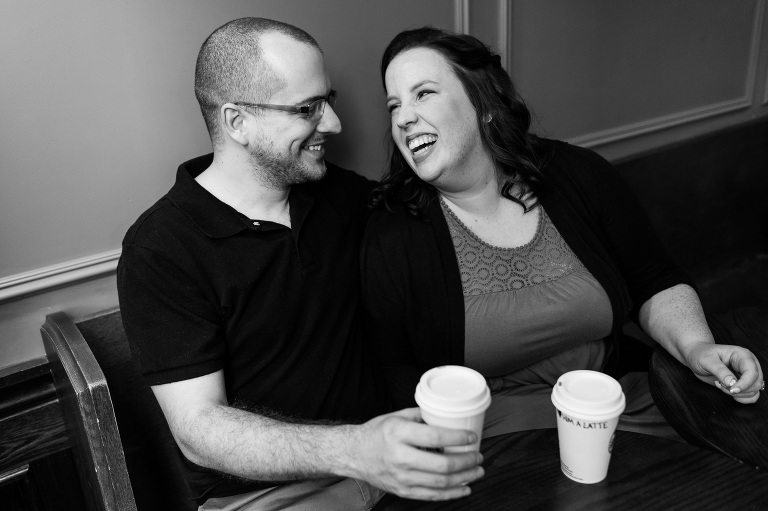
705 416
89 416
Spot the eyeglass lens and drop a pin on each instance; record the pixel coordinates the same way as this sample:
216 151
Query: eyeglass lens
317 108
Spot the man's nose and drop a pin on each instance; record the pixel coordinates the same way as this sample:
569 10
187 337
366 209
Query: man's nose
329 122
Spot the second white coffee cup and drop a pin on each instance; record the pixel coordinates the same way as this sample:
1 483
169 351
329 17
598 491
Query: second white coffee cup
454 397
588 406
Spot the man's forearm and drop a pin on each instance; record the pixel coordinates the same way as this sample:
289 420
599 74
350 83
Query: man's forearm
253 446
383 451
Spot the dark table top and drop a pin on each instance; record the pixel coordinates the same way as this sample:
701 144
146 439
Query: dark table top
522 471
705 416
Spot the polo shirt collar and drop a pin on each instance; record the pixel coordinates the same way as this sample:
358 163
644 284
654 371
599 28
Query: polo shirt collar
300 202
215 218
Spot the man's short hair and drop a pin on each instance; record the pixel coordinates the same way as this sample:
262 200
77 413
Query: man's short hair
230 67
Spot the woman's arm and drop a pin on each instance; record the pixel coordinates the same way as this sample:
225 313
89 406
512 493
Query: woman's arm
671 311
675 319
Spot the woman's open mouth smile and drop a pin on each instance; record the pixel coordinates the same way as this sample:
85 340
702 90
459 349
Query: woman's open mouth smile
421 145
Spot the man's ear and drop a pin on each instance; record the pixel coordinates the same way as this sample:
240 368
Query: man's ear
233 121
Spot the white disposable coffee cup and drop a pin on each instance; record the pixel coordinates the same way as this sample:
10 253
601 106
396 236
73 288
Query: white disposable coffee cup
454 397
588 406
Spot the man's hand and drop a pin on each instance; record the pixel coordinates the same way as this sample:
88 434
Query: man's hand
388 452
733 369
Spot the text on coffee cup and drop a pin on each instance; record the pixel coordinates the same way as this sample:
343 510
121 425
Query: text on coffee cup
581 424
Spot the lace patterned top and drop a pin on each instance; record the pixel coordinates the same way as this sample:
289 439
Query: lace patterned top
526 304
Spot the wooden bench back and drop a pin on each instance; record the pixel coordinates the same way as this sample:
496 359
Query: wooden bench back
708 200
123 447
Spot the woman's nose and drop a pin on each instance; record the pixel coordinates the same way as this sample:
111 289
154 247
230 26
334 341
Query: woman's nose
405 116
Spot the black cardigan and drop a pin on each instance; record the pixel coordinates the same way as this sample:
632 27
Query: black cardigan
412 286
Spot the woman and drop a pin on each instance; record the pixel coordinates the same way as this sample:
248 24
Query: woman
518 256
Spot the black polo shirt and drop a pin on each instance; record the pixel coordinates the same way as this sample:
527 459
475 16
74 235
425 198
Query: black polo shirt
204 288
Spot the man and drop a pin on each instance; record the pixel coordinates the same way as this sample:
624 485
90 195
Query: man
239 292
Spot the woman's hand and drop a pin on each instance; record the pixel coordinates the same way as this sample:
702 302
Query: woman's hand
732 369
675 319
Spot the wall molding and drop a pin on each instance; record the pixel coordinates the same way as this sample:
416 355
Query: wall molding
627 131
68 272
504 28
461 16
461 25
760 15
765 92
765 89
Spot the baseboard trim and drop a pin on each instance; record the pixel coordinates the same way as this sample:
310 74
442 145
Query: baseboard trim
65 273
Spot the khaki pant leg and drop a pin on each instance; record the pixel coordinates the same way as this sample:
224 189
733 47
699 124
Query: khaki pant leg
328 494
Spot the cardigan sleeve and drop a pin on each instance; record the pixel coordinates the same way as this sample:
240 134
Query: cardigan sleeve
384 279
628 234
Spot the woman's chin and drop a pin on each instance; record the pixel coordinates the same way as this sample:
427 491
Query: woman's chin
425 172
428 177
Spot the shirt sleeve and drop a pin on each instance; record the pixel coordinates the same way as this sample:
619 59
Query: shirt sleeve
172 327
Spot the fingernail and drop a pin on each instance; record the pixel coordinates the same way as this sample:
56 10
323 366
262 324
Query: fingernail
735 390
472 438
718 385
732 382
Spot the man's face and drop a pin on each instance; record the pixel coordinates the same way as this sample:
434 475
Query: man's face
288 148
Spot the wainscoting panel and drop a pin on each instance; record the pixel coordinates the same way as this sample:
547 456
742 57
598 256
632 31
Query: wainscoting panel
598 71
37 470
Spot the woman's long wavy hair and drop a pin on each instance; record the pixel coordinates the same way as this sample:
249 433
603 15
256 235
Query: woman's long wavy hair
491 92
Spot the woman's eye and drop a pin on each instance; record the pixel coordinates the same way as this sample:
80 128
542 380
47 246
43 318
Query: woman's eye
423 93
391 108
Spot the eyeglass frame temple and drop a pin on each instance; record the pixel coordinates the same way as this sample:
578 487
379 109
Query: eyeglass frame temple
300 109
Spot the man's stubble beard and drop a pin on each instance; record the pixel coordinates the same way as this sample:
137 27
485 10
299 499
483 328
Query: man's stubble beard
281 171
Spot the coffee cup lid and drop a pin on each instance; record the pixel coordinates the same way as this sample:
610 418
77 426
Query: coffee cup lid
588 394
448 390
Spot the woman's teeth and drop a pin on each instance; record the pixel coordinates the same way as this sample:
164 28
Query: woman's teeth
316 147
421 142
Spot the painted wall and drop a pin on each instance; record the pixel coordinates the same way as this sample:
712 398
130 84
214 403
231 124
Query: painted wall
98 109
623 76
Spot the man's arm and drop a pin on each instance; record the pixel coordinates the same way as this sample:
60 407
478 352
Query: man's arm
384 451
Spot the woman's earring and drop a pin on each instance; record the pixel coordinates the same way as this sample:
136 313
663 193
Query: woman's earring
487 118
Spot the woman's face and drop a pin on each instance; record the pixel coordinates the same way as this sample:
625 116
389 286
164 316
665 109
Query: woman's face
434 125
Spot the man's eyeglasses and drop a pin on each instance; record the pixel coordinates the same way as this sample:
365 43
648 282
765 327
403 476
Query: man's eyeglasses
313 111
